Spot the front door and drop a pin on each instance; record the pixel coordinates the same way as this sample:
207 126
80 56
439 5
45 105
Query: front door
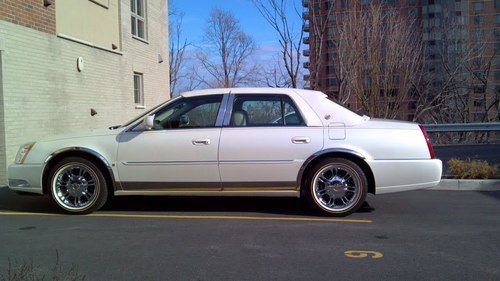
180 152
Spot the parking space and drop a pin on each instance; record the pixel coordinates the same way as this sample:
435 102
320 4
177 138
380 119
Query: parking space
438 235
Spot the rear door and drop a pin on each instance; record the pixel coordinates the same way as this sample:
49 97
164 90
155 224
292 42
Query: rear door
264 142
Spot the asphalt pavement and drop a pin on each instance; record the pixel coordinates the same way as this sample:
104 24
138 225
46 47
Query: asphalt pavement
419 235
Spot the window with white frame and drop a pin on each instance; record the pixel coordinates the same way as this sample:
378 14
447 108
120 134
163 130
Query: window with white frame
138 16
138 89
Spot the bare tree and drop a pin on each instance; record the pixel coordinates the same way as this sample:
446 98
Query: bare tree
225 58
177 50
457 78
379 58
318 26
286 72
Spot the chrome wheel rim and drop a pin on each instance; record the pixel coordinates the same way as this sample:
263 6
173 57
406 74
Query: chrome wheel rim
336 187
75 186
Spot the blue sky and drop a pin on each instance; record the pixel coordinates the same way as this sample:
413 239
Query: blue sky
196 13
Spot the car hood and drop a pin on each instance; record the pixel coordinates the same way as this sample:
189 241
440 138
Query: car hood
84 134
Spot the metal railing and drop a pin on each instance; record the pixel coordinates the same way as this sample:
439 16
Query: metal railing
463 127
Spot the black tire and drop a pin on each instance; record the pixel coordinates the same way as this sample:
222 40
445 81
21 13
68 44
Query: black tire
100 188
358 179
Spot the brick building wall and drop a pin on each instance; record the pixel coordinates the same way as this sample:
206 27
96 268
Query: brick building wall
34 14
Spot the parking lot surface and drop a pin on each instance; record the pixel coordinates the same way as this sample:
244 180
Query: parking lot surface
419 235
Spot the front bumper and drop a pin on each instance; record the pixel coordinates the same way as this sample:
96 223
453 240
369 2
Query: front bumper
403 175
26 178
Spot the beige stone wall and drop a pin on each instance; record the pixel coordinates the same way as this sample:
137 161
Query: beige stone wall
44 94
96 22
3 158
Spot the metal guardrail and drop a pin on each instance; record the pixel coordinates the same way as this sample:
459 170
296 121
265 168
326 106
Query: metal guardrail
463 127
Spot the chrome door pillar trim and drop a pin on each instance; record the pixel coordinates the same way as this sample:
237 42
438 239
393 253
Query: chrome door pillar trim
222 110
229 110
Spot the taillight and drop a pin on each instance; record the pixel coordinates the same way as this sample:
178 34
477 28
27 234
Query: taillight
429 144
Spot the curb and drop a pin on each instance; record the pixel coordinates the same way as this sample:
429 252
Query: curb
468 185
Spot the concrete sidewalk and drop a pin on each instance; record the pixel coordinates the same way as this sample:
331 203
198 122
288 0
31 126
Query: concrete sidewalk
468 185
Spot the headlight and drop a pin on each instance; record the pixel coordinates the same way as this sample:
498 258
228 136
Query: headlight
23 152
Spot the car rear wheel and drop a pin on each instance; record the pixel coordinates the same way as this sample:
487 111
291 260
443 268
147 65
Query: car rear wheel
78 186
336 186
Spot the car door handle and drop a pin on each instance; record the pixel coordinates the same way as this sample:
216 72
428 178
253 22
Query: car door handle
301 140
201 142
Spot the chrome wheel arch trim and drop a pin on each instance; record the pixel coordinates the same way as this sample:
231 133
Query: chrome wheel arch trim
92 152
321 153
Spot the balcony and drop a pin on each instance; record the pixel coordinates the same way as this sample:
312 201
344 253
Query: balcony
305 27
305 15
305 3
306 65
305 40
306 53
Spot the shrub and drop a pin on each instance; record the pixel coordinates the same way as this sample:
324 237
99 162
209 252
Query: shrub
472 169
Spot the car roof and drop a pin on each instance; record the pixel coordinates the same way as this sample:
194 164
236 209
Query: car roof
249 91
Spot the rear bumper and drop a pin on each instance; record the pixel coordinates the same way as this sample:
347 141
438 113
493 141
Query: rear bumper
403 175
25 178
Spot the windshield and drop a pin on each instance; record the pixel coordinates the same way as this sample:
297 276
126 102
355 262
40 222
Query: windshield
150 111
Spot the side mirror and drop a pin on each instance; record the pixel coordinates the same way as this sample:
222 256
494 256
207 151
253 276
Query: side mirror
148 122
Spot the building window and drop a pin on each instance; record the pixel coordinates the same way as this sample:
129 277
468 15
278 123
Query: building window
329 5
331 56
330 69
331 31
331 43
332 82
497 18
138 89
478 6
479 103
138 12
412 105
497 75
496 32
479 89
478 20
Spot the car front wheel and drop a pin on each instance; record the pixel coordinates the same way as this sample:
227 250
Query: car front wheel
78 186
336 186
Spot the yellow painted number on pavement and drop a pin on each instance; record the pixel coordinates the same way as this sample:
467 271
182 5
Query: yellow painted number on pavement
363 254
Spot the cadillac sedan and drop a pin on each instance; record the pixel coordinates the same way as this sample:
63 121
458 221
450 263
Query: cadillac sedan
233 142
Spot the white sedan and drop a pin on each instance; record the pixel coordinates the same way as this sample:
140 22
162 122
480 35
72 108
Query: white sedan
233 142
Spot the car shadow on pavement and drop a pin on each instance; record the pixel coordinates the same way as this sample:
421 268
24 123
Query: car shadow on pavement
12 201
